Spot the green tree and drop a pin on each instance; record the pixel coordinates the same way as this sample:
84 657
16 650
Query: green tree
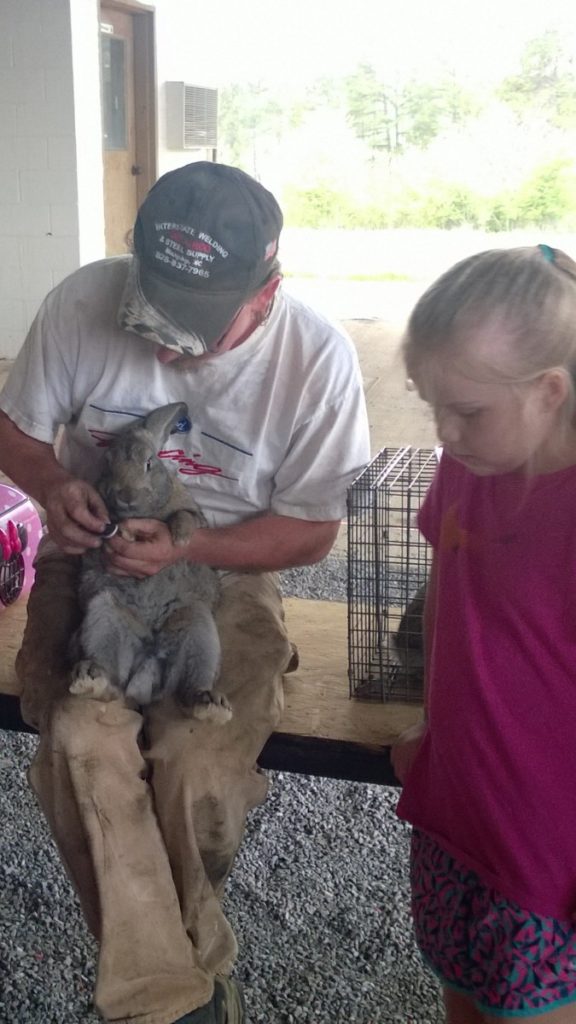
392 118
318 206
546 83
547 197
374 111
249 116
443 204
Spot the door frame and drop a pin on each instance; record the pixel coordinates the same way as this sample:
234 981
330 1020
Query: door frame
145 91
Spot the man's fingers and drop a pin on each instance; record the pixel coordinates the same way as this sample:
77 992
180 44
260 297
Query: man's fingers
121 566
142 529
87 513
73 509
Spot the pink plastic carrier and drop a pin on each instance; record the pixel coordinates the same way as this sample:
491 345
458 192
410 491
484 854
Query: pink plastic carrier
20 532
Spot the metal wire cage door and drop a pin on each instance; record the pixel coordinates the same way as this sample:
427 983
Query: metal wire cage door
388 565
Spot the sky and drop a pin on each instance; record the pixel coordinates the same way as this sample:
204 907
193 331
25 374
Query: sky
301 40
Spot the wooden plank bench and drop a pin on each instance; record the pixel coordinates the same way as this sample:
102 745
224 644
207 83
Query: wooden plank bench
322 731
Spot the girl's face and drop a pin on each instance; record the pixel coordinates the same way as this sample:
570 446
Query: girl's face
492 426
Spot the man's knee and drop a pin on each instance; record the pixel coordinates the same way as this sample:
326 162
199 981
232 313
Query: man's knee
93 731
53 614
250 621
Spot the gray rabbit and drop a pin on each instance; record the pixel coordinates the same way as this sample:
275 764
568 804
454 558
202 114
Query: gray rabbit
148 638
408 641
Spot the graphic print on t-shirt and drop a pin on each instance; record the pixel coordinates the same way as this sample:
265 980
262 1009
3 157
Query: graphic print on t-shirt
188 463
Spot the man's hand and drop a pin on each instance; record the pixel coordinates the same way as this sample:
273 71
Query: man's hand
75 515
142 548
405 749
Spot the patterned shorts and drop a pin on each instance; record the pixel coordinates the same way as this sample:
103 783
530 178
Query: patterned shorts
508 961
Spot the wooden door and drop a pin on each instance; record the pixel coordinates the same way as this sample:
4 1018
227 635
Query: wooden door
118 127
128 116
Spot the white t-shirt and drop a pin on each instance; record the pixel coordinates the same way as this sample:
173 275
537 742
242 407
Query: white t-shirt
278 424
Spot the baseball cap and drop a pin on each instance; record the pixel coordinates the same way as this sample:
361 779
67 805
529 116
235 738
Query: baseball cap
205 239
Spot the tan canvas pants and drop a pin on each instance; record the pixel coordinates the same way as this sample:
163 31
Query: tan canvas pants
148 812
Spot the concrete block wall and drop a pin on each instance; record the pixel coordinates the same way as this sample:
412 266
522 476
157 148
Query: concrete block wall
51 163
40 162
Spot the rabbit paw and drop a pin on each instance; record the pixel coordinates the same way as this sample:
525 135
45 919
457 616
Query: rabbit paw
212 706
89 680
182 525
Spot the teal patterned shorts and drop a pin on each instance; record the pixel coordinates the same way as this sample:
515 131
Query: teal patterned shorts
510 962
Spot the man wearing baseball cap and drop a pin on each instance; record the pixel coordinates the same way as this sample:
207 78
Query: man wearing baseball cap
147 811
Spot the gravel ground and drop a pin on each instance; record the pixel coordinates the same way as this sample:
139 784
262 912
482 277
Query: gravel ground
318 898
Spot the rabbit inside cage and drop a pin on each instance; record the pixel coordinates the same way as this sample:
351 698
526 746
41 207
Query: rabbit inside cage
388 566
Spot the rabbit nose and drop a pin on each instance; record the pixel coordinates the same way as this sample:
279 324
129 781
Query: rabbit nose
125 498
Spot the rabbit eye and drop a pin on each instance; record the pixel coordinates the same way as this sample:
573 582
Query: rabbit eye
148 464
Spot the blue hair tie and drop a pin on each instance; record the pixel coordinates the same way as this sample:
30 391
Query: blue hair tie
548 253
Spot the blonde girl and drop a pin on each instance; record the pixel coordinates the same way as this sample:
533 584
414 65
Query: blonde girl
490 777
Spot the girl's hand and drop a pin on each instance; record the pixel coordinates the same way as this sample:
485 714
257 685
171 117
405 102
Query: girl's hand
141 548
405 749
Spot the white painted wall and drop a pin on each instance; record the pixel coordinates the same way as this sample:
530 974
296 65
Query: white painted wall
38 223
51 168
187 51
85 41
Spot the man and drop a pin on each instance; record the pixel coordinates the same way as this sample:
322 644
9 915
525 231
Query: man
148 807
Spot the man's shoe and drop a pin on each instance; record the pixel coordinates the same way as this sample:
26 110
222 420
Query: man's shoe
226 1006
228 1001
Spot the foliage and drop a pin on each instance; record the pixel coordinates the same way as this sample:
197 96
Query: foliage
318 207
546 84
369 153
443 204
547 197
248 114
392 118
324 206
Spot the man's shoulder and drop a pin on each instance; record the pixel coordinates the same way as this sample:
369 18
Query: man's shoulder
300 310
105 272
315 327
92 292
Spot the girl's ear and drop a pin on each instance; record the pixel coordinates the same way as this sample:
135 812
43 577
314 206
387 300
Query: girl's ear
554 388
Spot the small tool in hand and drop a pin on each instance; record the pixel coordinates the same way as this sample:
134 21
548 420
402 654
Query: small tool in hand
110 530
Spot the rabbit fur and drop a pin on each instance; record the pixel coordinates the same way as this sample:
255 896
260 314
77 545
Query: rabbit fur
409 641
144 639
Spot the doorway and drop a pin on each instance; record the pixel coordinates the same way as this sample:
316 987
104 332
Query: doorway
128 116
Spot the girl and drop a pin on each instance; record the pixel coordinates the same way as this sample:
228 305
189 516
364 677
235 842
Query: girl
490 777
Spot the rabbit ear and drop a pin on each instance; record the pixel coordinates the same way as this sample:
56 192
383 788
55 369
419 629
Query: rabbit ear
159 423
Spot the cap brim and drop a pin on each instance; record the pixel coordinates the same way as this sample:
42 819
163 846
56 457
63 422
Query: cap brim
203 316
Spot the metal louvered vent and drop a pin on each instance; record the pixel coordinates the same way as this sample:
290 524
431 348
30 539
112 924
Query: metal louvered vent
191 116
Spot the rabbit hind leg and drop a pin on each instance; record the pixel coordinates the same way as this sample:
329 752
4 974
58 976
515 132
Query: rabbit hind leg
88 679
207 704
191 649
110 641
146 682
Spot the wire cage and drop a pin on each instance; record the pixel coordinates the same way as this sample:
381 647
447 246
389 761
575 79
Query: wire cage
388 565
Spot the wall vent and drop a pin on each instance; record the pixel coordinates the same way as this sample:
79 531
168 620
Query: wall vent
191 116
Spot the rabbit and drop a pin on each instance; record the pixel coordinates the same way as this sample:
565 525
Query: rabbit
409 638
144 639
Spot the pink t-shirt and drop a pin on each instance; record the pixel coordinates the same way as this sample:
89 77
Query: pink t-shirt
494 781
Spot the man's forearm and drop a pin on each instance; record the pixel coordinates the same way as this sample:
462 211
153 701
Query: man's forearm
264 544
31 464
